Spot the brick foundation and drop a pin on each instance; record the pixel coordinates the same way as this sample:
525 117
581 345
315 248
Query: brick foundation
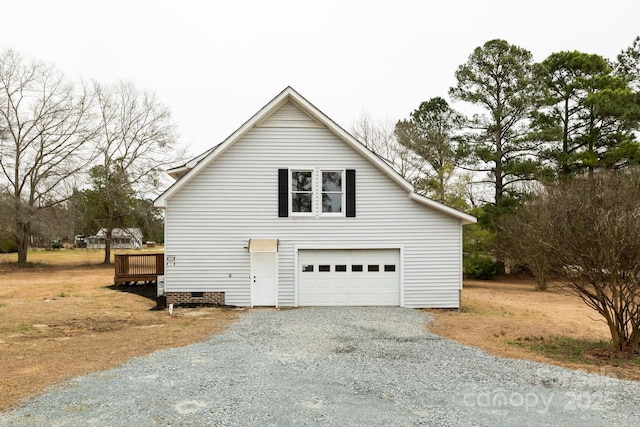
176 298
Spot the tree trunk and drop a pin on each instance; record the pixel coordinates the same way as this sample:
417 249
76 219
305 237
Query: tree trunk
622 341
499 178
107 247
23 231
565 169
591 147
23 243
541 282
635 340
109 230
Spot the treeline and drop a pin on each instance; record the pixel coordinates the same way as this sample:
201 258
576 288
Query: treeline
547 160
526 124
76 156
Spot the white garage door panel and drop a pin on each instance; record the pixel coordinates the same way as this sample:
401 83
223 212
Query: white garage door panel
317 286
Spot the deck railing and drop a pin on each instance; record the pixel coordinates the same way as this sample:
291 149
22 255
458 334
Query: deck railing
138 267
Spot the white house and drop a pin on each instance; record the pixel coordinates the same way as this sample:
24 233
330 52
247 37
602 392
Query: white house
121 238
291 210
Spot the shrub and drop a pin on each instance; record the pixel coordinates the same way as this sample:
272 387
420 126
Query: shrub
7 246
586 232
480 266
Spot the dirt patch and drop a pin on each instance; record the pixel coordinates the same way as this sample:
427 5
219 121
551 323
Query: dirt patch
64 319
505 317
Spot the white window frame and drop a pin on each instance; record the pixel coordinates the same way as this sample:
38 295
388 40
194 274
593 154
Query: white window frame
313 186
316 192
342 193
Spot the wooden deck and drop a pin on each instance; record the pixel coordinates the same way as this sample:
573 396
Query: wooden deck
133 268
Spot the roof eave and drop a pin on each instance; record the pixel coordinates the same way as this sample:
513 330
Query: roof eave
178 172
204 160
463 217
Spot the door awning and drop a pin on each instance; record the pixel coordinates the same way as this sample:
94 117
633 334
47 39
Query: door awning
263 245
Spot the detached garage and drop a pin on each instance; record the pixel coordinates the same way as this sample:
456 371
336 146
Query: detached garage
348 277
291 210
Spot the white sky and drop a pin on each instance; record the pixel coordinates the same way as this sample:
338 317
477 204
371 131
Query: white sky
216 63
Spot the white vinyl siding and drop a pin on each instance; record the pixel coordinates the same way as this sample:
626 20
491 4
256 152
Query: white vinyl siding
210 220
288 115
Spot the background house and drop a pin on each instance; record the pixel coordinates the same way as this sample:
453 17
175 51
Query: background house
121 238
291 210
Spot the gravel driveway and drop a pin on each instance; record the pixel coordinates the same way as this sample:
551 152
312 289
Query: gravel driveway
332 366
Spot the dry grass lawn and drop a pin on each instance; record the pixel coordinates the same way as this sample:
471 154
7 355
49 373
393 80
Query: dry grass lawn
509 318
63 319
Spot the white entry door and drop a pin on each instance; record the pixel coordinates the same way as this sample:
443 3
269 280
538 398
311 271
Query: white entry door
263 278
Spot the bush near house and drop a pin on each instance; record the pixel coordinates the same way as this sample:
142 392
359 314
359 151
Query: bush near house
480 266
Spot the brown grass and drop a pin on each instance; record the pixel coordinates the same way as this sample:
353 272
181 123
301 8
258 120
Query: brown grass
63 319
509 318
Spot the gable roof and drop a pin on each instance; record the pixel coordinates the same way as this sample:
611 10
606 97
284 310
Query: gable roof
186 172
134 233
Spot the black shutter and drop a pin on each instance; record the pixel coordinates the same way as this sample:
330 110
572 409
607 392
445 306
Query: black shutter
351 193
283 192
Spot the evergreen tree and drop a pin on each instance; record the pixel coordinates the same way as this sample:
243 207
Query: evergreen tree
586 115
499 79
430 133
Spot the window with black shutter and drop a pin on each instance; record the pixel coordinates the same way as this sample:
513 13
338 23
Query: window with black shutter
308 192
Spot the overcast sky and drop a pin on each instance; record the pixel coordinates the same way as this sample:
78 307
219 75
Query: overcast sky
216 63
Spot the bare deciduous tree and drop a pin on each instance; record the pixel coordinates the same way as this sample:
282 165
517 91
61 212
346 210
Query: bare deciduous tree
523 240
135 144
587 232
43 142
379 137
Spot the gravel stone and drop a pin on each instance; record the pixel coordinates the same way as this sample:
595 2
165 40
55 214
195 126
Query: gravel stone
367 366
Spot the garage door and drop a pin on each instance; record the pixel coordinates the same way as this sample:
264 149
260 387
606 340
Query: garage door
349 277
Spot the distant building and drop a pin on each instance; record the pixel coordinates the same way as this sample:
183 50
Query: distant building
121 238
